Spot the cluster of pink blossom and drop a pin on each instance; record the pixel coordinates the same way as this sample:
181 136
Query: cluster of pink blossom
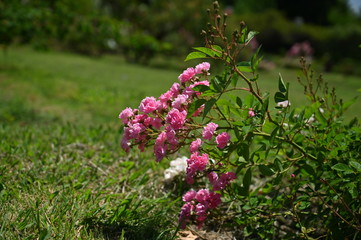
300 49
195 163
196 206
163 122
164 118
220 183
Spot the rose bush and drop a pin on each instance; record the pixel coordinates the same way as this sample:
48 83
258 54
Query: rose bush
281 171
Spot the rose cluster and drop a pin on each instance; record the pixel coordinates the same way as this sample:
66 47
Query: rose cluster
197 205
164 122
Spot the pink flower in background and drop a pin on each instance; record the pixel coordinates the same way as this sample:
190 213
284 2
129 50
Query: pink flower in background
125 144
185 214
188 91
206 83
198 111
214 200
222 139
175 89
201 212
139 118
213 177
202 67
160 150
254 44
157 123
148 121
167 96
195 163
189 196
133 131
300 49
208 130
197 204
180 101
187 75
171 137
162 137
251 113
202 195
176 118
148 105
126 114
220 183
195 145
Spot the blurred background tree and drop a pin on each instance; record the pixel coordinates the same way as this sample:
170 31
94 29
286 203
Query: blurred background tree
141 30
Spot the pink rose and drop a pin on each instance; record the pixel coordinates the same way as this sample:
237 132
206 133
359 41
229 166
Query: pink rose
189 196
195 145
222 139
126 114
180 101
202 67
148 105
187 75
208 130
176 118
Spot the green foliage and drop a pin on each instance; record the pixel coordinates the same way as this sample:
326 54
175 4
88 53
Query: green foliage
53 133
298 170
309 159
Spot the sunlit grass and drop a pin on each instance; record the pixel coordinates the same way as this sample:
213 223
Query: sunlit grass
62 172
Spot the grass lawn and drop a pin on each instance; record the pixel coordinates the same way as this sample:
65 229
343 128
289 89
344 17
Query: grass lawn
62 172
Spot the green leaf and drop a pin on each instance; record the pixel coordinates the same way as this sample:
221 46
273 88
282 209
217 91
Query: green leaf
207 51
244 35
277 163
309 170
194 106
250 36
265 106
201 88
224 102
234 80
341 167
249 100
239 102
208 106
265 170
347 104
216 84
219 51
280 97
254 60
195 55
281 85
273 134
320 117
356 165
243 151
247 179
244 67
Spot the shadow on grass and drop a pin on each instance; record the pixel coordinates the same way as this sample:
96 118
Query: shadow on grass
132 229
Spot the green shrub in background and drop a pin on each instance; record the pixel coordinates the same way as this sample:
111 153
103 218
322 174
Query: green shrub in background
280 172
142 30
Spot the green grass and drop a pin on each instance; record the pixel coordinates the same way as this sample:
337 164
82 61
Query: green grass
62 172
64 85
